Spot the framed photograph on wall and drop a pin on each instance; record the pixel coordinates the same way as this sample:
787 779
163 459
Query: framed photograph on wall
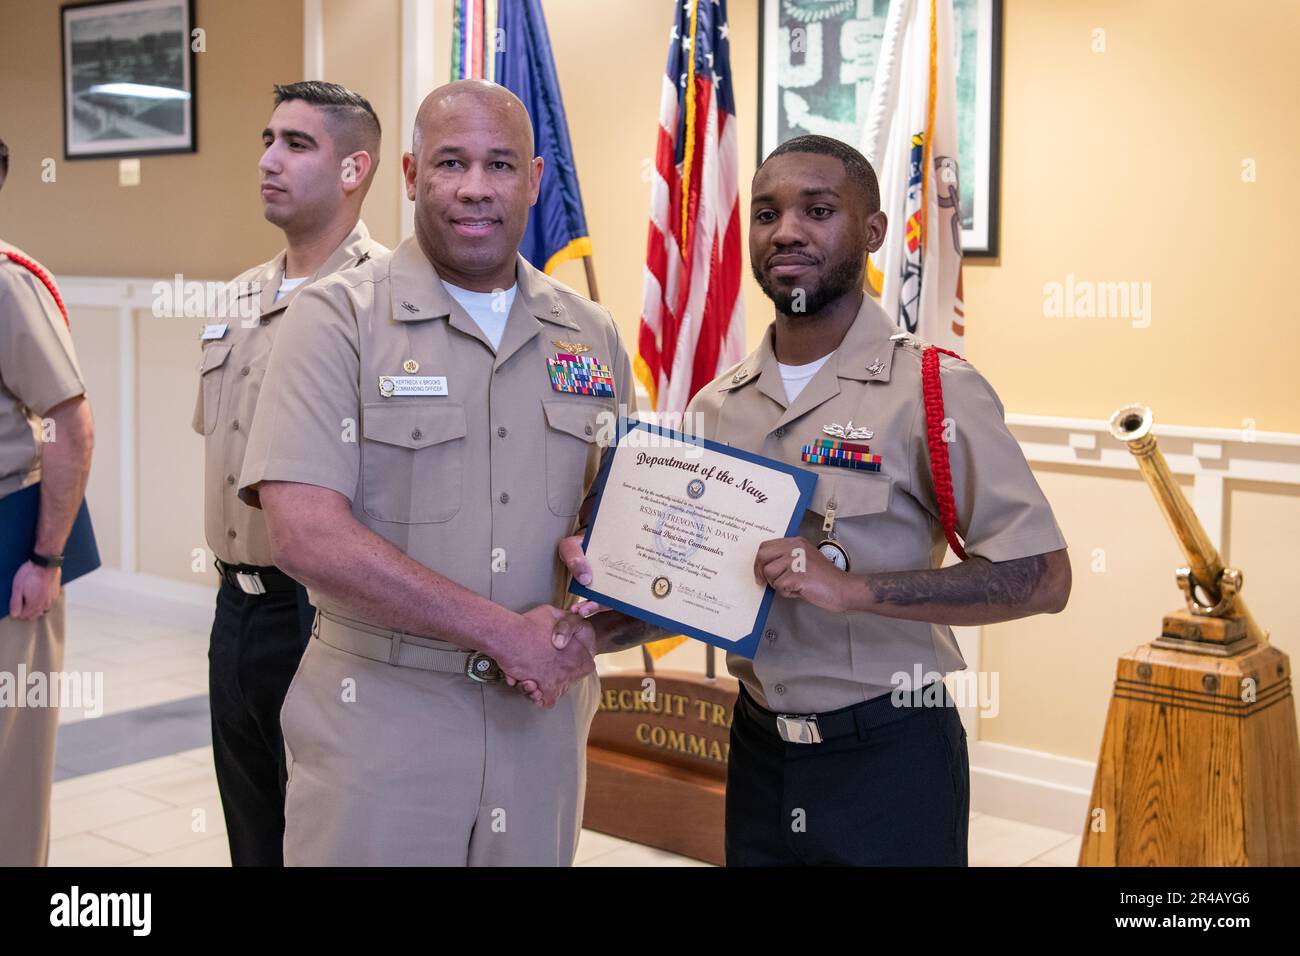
822 84
128 78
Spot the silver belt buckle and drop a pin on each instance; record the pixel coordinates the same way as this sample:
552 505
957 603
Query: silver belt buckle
483 669
798 730
250 582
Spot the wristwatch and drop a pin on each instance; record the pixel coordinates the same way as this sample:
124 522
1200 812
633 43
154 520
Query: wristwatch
46 561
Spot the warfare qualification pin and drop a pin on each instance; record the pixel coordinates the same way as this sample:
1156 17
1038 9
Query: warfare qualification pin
572 348
848 432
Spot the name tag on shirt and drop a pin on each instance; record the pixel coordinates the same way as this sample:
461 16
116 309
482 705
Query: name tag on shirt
214 331
390 385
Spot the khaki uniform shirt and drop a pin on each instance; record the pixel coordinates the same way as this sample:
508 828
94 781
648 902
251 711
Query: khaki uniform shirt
231 370
480 483
810 660
38 370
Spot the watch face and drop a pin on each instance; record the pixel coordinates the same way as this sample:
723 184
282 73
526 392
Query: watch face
833 552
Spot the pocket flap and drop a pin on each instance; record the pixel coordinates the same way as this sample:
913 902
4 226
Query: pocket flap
214 356
853 494
416 425
575 418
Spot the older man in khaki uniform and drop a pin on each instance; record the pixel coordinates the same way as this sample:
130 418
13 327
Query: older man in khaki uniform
46 435
321 146
427 434
845 748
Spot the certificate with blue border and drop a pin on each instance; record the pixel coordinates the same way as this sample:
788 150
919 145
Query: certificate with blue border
675 527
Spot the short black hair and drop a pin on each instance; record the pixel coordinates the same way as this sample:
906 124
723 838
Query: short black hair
4 159
855 164
349 115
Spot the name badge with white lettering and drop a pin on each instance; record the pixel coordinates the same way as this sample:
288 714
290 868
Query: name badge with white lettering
390 385
214 331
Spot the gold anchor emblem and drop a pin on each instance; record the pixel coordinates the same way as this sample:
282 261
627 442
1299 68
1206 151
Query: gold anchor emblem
848 432
573 348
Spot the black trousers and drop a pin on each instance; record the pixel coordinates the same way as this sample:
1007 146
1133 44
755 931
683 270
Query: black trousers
895 791
257 641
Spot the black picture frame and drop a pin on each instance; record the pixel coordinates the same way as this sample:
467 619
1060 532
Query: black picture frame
130 110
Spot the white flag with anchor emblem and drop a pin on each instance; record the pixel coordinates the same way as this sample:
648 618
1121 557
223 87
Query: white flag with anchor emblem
910 139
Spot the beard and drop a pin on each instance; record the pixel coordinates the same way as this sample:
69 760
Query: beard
843 277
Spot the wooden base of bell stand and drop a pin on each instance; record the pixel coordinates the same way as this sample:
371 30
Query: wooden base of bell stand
657 761
1200 761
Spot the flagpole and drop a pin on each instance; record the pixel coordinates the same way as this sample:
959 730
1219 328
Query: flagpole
592 292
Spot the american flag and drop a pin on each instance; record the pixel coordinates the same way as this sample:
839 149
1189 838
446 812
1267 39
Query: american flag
692 320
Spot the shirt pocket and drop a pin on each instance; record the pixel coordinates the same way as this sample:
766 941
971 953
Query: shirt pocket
857 500
851 495
210 376
572 426
412 461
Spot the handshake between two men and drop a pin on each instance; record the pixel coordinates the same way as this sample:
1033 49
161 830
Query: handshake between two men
561 646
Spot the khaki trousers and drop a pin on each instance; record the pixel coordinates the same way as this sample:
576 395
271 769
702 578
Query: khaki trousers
395 766
27 736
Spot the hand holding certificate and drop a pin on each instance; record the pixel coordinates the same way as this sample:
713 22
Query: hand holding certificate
676 526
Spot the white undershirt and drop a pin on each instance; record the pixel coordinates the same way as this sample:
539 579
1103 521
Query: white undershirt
796 377
287 285
489 309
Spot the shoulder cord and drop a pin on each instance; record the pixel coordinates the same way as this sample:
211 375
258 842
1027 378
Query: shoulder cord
932 393
35 269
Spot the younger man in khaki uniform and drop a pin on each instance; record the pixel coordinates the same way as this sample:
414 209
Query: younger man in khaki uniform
427 434
322 144
830 761
46 435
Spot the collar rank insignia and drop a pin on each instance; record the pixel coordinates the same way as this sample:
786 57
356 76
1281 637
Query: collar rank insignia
848 431
576 374
410 308
876 367
842 454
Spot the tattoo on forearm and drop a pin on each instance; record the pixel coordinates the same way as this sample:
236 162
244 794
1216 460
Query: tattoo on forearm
976 581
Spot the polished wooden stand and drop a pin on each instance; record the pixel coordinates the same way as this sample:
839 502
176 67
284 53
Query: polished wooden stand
1200 761
660 778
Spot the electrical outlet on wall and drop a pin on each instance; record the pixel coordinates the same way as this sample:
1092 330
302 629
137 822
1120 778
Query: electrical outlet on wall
128 172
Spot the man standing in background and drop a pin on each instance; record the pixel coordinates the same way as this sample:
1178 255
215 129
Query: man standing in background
321 148
46 436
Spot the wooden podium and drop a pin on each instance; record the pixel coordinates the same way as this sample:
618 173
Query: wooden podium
1198 764
1200 760
657 761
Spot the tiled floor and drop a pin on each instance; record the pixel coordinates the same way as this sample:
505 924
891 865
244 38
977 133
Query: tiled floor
165 811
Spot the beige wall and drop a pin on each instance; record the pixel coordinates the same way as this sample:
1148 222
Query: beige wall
1127 165
362 50
196 213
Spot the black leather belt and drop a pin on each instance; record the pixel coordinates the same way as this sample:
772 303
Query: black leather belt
852 721
252 579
